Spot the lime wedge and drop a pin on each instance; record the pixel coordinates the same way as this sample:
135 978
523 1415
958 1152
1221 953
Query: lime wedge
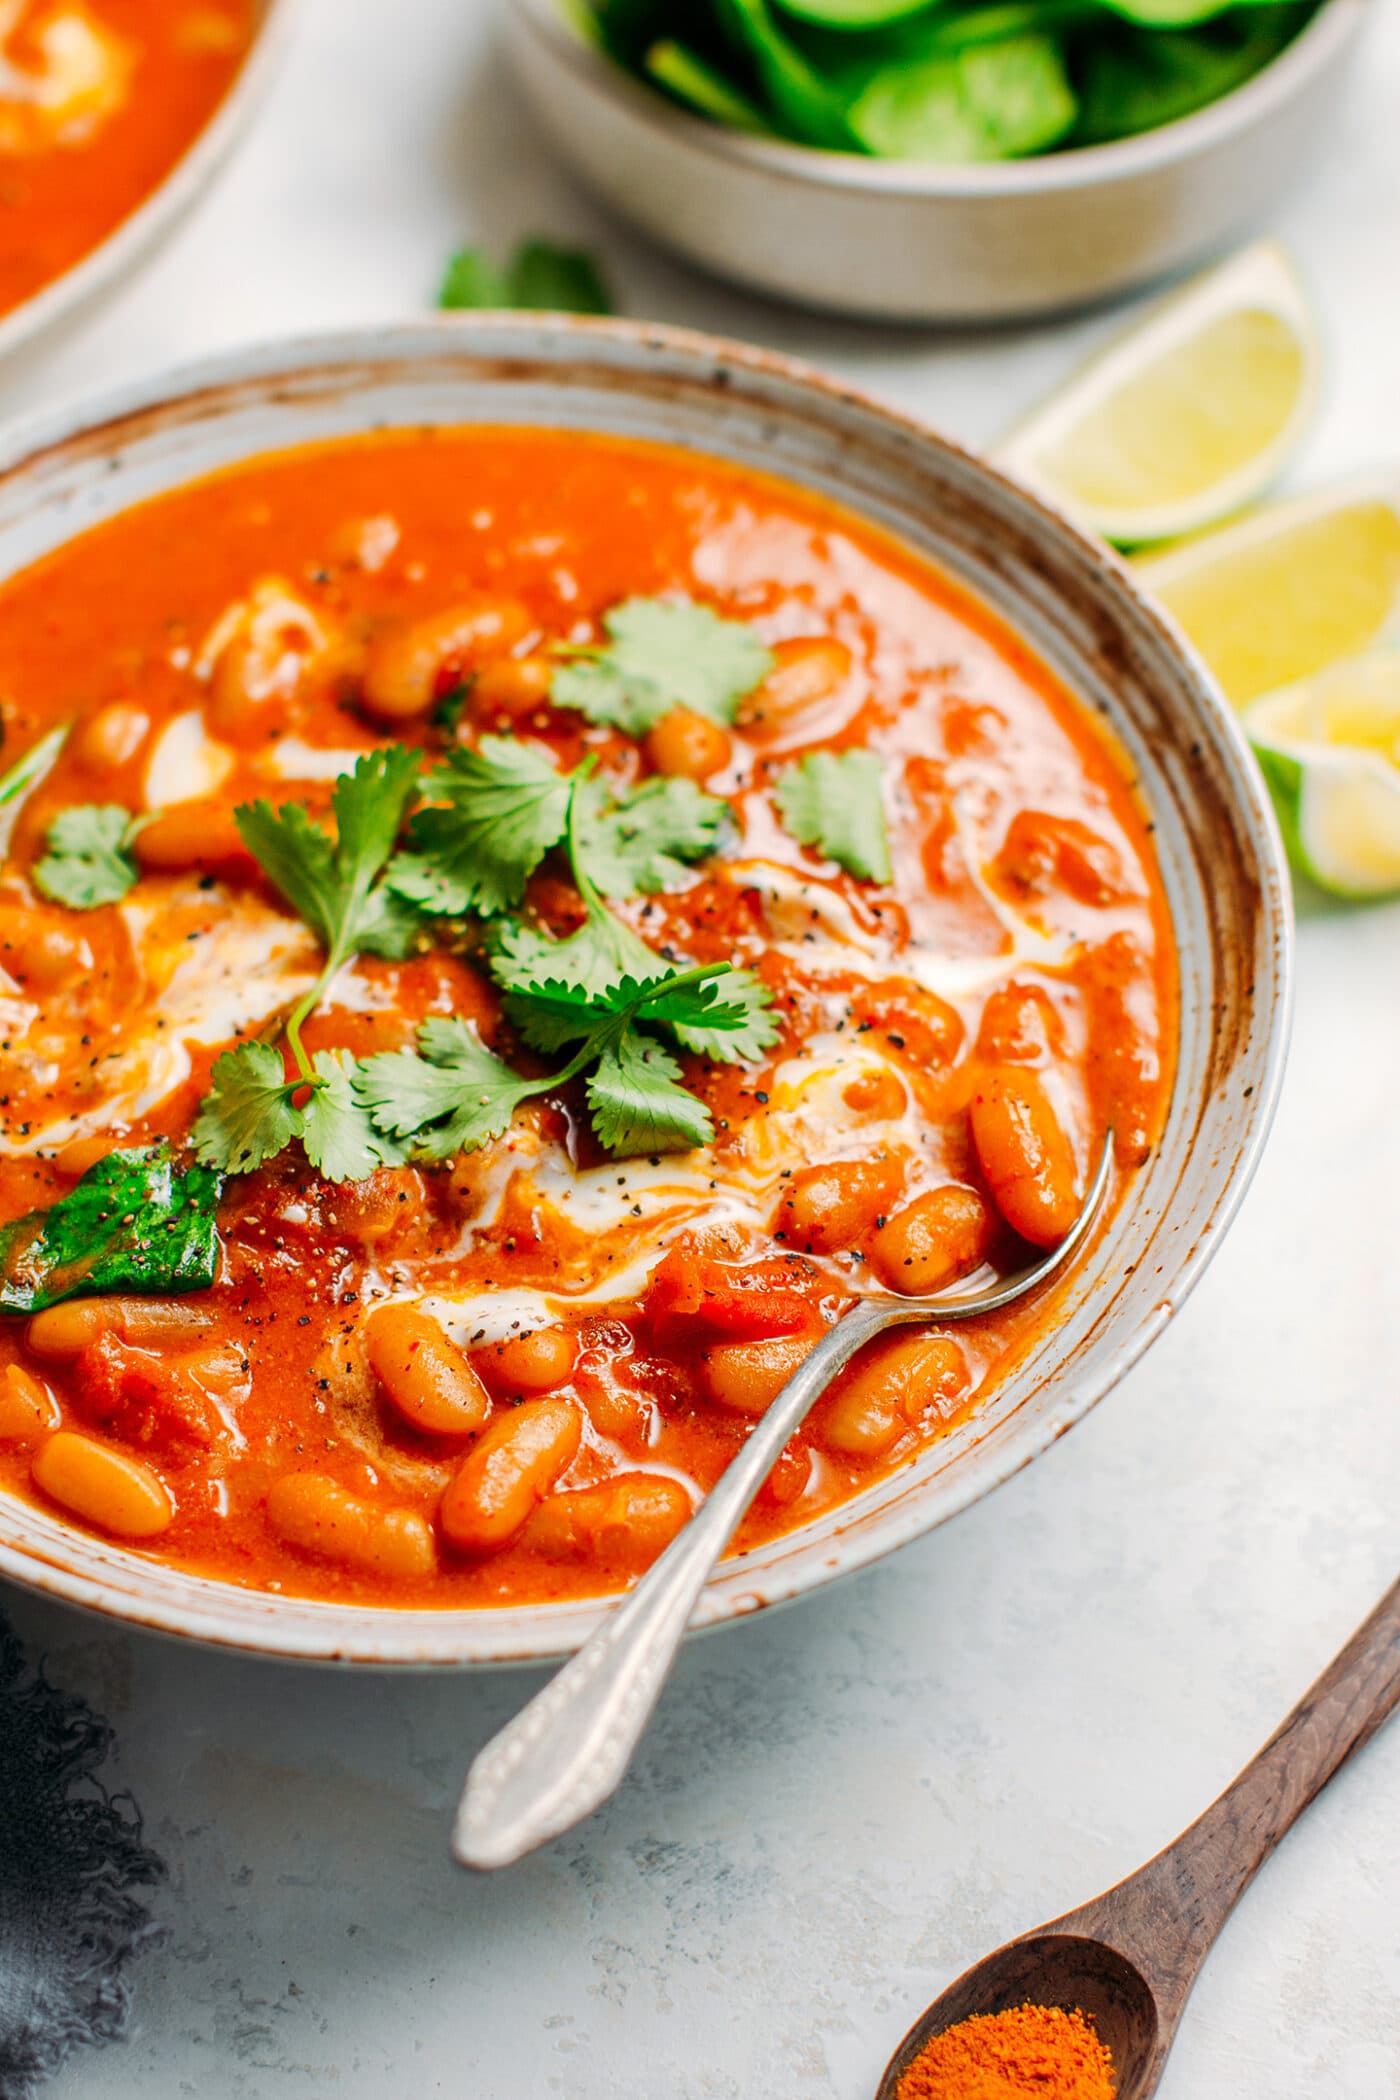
1291 589
1190 415
1330 751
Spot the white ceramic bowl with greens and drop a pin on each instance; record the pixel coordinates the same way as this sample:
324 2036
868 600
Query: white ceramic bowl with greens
908 240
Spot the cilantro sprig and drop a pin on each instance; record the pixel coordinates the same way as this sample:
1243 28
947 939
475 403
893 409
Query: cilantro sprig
89 860
601 987
338 885
494 813
662 653
453 1095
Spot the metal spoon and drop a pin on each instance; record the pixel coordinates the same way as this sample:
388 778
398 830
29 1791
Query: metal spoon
1130 1958
565 1752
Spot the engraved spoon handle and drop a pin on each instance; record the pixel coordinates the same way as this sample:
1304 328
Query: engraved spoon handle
567 1749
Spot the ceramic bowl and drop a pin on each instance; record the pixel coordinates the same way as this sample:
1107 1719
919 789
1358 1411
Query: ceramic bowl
105 266
1062 592
899 240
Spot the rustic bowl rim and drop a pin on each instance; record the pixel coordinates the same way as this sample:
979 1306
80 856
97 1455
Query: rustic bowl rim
1085 167
131 241
246 1620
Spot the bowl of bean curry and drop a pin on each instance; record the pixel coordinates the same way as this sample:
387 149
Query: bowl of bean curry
541 858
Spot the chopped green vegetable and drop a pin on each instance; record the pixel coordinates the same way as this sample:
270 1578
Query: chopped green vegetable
662 653
895 78
133 1223
833 800
540 277
89 859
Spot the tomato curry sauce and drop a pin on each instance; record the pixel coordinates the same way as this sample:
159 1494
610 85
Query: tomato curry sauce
98 101
500 1358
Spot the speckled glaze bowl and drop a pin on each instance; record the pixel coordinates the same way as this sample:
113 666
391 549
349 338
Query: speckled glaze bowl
1064 593
905 240
105 267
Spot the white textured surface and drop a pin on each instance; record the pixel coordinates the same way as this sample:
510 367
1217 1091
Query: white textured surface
838 1808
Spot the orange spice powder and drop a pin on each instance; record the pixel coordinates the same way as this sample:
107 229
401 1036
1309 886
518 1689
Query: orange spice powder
1036 2050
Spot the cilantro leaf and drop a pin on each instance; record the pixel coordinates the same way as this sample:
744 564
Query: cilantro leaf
503 807
332 883
89 859
246 1118
337 1134
662 653
833 800
133 1223
645 839
539 277
603 950
250 1115
451 1095
637 1101
553 1013
740 1036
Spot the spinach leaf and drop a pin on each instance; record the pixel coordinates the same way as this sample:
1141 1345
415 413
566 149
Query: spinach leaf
988 102
896 78
855 14
1177 14
805 105
1133 80
692 80
133 1223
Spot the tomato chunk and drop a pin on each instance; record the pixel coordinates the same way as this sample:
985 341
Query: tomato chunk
753 1302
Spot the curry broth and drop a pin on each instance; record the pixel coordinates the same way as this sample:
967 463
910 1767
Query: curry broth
1025 933
98 101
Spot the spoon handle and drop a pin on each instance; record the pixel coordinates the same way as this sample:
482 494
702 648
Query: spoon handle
1167 1916
567 1749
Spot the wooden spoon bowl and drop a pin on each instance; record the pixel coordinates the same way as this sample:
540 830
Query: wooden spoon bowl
1049 1968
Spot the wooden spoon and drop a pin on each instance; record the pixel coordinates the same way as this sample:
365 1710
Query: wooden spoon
1130 1958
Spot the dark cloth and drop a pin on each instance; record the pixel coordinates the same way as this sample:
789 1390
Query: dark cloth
72 1867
